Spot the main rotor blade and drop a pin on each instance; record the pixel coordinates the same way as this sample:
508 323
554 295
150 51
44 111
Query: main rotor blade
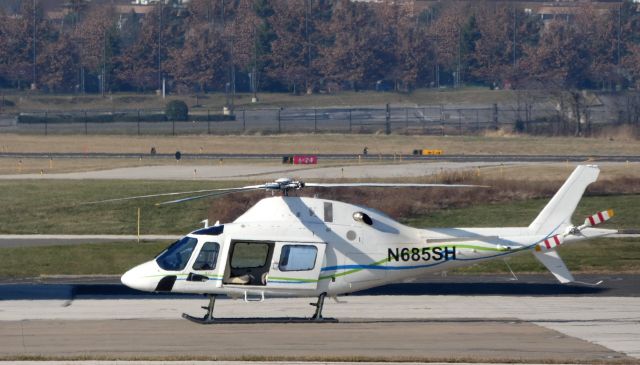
215 194
390 185
224 190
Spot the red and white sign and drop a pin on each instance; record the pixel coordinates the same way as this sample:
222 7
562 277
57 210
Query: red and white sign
305 160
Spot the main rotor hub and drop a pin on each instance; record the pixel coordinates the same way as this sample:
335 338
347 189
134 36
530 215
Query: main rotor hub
284 184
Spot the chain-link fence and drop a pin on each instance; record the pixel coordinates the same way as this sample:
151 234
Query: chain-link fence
428 119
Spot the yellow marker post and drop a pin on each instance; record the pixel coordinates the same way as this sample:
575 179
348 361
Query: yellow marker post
477 171
50 163
138 225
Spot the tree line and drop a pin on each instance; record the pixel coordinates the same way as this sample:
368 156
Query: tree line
317 45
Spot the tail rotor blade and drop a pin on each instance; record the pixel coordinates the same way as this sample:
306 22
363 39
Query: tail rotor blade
550 243
598 218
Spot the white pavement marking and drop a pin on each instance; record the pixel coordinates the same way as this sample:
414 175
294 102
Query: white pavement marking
106 237
124 362
261 171
613 322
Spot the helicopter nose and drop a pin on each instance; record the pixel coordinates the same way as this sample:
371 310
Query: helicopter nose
141 277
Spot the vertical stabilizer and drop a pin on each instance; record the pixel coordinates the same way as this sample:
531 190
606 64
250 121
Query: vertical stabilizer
558 211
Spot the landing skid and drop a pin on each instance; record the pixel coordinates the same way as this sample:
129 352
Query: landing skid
257 320
209 319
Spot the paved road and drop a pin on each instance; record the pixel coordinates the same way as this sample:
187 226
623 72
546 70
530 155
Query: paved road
328 157
261 172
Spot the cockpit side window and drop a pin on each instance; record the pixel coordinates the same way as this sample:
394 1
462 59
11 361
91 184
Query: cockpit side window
177 255
207 257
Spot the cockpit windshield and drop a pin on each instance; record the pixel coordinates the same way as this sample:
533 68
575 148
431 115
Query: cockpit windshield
176 256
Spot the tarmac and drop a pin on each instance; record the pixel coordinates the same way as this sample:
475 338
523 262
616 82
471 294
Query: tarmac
573 329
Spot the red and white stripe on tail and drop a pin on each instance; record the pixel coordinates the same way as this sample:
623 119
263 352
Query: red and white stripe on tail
555 241
550 243
598 218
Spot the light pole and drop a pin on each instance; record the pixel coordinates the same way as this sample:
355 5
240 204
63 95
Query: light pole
34 83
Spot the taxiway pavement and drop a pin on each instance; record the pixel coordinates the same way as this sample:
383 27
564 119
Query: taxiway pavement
263 171
496 327
504 339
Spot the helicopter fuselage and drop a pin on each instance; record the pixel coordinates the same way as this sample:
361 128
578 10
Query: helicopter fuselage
300 246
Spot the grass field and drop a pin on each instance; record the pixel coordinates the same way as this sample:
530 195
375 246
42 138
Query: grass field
38 101
52 207
57 207
322 143
89 259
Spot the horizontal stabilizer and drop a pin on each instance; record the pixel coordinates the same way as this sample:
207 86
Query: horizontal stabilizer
552 261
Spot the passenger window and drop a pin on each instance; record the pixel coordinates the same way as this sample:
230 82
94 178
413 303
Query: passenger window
298 258
248 255
207 257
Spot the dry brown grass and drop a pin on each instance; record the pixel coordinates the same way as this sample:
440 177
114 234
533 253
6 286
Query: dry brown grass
321 359
321 143
406 203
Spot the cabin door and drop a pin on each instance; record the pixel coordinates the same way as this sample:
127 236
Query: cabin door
296 265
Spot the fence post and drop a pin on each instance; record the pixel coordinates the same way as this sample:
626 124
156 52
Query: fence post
460 121
244 121
173 127
138 122
388 120
495 116
350 124
85 123
279 124
315 120
406 118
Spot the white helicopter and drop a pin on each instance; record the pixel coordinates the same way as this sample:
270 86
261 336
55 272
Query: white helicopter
309 247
